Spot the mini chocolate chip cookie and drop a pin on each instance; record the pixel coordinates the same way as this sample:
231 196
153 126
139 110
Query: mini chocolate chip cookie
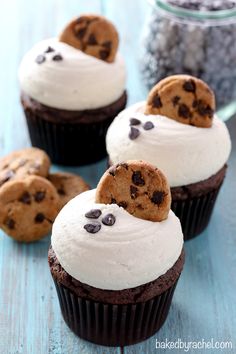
28 208
22 163
67 185
183 98
94 35
138 187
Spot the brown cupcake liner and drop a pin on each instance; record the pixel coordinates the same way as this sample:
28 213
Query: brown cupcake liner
114 325
70 144
195 213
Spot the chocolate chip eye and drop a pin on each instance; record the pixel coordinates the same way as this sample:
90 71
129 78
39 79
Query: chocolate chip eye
57 57
148 126
93 214
40 217
39 196
138 179
134 133
92 228
134 121
40 59
109 220
25 198
49 50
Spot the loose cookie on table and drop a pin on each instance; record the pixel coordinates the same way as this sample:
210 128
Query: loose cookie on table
183 98
28 208
94 35
138 187
22 163
67 185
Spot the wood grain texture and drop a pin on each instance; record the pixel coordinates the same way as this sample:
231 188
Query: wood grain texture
30 319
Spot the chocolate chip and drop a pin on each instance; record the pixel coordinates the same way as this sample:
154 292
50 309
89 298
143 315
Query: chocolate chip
148 125
8 175
39 218
104 54
61 191
134 121
25 198
156 101
112 171
202 108
107 45
49 50
134 133
10 223
57 57
123 204
92 228
138 179
175 100
39 196
109 220
92 40
133 192
157 197
80 33
40 59
93 213
189 86
184 111
123 164
113 201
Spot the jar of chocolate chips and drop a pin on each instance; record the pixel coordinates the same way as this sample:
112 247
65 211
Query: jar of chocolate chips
196 37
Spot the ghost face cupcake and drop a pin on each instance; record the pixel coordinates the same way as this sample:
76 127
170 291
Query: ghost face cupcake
178 131
71 89
115 270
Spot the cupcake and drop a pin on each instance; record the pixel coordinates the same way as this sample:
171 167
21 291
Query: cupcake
72 87
178 131
116 256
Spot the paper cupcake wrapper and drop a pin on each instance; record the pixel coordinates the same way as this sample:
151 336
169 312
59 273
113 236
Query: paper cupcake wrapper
195 213
69 143
113 325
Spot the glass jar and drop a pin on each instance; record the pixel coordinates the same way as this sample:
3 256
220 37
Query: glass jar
185 37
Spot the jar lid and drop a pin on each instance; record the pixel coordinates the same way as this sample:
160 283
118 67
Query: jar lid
209 12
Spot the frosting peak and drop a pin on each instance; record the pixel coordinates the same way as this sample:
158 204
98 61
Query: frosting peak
127 254
75 82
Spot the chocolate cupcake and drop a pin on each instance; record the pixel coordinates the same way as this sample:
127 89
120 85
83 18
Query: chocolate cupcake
178 131
72 87
115 273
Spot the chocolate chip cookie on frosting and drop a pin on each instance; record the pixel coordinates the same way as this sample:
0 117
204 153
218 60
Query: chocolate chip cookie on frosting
72 87
113 260
177 130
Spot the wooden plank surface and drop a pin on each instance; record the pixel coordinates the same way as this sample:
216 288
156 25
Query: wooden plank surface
30 319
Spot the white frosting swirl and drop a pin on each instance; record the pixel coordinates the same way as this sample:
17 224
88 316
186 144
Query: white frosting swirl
130 253
77 82
186 154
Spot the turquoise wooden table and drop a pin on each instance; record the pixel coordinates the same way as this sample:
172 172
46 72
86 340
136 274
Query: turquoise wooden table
204 305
